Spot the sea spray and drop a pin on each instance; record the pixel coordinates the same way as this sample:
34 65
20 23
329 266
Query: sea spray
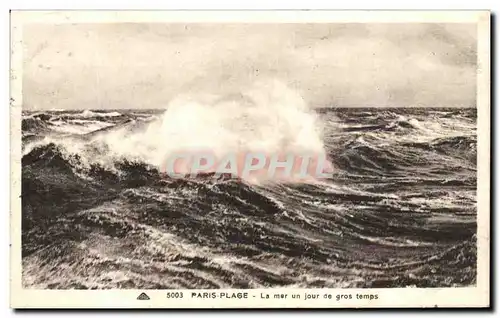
266 117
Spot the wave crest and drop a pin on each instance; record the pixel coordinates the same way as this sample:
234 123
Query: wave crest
267 117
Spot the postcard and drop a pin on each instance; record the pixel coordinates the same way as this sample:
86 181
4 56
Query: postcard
250 159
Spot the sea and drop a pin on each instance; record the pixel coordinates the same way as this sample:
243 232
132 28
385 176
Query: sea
399 209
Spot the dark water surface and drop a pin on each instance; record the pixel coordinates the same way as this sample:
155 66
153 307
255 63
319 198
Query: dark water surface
399 211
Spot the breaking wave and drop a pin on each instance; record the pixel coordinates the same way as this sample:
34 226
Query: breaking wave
267 118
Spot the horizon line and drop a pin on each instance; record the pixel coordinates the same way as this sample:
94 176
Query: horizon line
315 108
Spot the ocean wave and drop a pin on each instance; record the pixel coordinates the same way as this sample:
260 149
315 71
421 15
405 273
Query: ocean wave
125 172
270 119
395 125
80 127
89 113
455 146
33 124
460 143
49 155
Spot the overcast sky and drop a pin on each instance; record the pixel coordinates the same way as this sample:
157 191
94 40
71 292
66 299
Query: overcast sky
76 66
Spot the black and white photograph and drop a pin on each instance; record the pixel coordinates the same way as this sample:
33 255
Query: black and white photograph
245 155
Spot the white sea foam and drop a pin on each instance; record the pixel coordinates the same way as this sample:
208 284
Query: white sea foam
78 127
266 117
89 113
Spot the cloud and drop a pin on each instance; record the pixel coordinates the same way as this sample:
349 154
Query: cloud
146 65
